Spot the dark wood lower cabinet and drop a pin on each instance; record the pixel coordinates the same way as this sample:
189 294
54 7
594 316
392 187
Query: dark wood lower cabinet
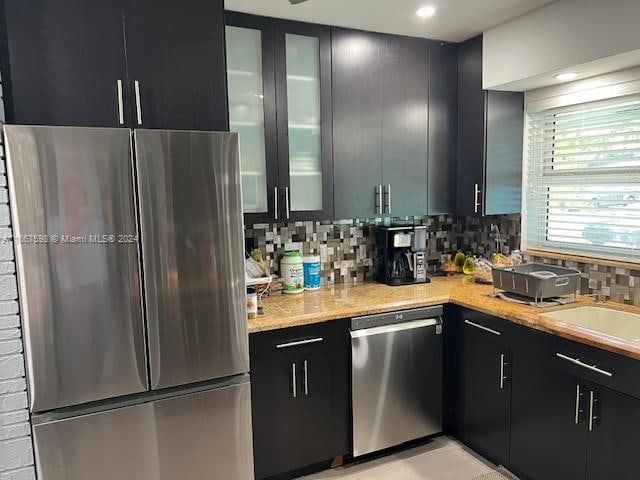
300 398
546 441
275 419
612 448
485 397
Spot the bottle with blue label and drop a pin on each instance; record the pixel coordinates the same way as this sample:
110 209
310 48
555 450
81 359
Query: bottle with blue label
311 264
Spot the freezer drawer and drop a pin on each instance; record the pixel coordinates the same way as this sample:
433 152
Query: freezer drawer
396 384
80 297
205 435
193 255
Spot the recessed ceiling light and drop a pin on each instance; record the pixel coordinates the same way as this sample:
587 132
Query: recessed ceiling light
563 77
425 12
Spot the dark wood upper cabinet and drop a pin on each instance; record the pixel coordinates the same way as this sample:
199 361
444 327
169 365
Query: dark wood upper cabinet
357 123
443 127
66 60
70 64
176 61
405 112
490 130
280 104
304 119
380 102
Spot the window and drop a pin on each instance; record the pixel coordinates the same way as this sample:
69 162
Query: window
583 179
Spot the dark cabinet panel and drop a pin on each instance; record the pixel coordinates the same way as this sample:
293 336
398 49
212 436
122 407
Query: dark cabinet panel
503 162
357 122
66 58
612 448
405 109
548 432
471 121
490 130
275 418
485 397
324 417
443 127
176 61
300 397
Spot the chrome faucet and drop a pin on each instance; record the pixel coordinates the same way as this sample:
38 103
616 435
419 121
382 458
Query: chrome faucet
598 297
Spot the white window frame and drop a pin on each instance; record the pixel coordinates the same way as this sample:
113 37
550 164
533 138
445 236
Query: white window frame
617 84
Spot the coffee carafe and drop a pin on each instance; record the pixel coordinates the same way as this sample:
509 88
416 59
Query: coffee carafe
401 255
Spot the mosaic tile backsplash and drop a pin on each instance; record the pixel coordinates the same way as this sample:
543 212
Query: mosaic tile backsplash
347 250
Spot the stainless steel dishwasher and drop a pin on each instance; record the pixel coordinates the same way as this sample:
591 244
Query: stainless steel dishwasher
396 378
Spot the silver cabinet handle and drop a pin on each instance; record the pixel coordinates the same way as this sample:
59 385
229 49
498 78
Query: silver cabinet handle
136 87
592 402
502 376
379 199
275 201
482 327
578 411
576 361
387 192
306 378
286 200
476 201
294 380
300 343
120 103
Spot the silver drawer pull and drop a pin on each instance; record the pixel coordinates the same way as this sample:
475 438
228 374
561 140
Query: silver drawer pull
136 87
592 417
502 375
306 377
482 327
576 361
300 342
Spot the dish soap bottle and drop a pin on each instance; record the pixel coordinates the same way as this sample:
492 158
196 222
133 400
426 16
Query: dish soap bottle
292 272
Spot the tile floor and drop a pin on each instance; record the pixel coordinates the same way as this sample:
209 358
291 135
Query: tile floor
441 459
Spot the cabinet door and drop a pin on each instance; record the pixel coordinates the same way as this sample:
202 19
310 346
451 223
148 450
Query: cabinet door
405 94
67 59
471 131
305 152
324 406
485 397
503 162
176 59
252 111
274 406
357 123
613 450
548 421
443 125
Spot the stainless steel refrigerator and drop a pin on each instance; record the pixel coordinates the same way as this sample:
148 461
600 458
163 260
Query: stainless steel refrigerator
129 252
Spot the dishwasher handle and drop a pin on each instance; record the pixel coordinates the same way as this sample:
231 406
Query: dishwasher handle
398 327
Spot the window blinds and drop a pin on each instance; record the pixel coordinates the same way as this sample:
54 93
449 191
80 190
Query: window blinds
583 179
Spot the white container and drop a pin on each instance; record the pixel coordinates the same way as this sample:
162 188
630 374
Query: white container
292 270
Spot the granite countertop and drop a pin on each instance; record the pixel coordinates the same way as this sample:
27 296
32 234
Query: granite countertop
352 300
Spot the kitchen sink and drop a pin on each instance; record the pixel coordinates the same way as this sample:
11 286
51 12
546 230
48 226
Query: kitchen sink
614 323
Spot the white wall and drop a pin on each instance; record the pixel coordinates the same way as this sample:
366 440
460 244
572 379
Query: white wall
16 448
559 36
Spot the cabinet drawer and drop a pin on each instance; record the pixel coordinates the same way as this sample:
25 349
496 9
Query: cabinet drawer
486 327
583 361
291 342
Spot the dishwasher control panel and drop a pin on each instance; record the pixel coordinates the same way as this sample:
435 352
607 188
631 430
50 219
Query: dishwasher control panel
401 316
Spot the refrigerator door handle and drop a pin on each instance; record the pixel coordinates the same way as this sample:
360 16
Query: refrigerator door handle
136 86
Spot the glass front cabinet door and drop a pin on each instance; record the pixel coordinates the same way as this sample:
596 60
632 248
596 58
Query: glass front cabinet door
279 83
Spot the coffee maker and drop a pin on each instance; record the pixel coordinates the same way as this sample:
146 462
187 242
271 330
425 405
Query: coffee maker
401 255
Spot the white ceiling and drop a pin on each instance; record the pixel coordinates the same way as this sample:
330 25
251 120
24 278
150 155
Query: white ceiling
455 20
